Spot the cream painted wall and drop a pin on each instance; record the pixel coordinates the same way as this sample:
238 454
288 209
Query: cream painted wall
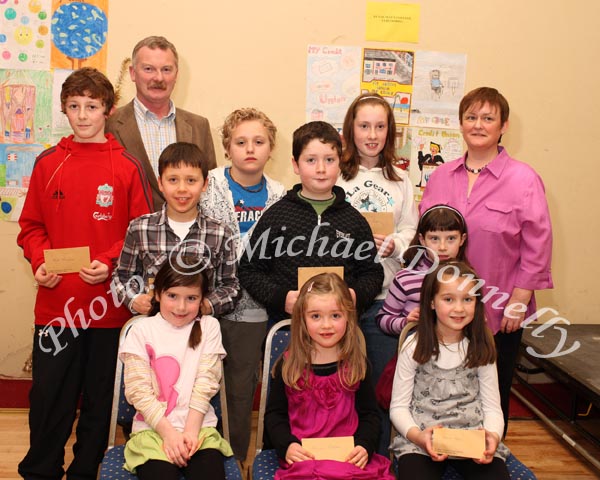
541 54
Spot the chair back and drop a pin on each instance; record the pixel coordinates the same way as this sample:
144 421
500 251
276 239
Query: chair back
122 411
407 330
275 344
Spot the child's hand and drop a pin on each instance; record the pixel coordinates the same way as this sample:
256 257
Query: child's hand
385 245
358 456
295 453
45 279
206 307
96 273
290 300
413 316
142 303
491 444
436 457
192 442
175 448
424 439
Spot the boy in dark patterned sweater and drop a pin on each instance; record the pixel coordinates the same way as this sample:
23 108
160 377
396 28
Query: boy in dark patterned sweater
311 226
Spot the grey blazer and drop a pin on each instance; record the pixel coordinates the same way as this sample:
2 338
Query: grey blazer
189 127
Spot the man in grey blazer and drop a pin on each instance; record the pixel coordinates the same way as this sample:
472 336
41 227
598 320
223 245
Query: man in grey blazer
150 122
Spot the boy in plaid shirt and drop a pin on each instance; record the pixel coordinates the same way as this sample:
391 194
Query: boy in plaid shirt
179 227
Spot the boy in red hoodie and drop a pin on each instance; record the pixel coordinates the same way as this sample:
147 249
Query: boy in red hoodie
83 193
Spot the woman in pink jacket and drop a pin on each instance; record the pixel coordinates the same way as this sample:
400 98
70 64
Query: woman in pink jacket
510 235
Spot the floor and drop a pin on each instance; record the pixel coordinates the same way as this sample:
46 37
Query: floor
547 455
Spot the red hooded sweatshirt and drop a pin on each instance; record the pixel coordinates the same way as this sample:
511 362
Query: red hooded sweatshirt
82 194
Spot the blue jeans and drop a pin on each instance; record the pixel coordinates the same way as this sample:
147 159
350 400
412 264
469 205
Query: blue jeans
381 347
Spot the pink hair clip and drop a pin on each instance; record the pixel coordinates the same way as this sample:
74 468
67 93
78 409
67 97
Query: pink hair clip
310 287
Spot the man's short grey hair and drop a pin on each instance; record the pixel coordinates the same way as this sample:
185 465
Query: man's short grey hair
152 43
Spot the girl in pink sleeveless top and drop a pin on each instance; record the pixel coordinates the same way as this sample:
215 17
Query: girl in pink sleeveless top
322 388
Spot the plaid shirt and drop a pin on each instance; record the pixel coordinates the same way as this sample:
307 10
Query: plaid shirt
157 133
150 240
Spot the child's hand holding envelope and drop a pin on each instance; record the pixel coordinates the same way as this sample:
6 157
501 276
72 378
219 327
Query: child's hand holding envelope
329 448
66 260
381 223
459 443
382 226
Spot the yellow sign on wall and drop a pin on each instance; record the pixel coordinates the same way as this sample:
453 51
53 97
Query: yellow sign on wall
393 22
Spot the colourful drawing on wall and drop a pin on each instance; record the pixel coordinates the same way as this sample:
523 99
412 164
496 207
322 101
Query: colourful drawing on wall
402 148
60 123
439 83
390 73
25 34
16 164
331 74
18 109
79 34
11 203
25 113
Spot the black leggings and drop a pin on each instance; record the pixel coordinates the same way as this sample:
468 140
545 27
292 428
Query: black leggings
414 465
204 464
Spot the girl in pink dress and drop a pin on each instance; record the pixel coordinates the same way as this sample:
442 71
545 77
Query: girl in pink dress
322 388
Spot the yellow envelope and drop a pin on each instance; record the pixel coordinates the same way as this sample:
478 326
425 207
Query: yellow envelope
459 443
66 260
329 448
381 223
306 273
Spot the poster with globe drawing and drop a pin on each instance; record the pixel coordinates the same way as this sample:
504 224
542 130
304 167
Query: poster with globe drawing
25 34
79 32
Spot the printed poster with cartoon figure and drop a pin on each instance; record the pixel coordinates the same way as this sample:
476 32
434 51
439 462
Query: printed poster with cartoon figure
429 148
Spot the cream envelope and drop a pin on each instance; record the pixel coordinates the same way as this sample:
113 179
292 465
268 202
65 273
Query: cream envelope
66 260
381 223
306 273
329 448
459 443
